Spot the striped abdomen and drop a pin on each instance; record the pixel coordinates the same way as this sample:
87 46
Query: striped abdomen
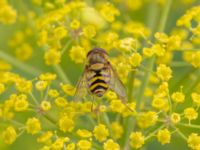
98 78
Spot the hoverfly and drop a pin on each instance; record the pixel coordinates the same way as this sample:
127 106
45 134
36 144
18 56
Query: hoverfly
99 76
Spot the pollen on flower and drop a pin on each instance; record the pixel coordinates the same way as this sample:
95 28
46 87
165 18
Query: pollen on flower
66 124
136 140
175 118
84 133
100 132
52 57
9 135
190 113
45 105
178 97
164 72
78 54
117 130
164 136
33 125
84 145
194 141
111 145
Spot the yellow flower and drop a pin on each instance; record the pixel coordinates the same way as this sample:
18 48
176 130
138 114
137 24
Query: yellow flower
175 118
164 136
60 32
190 113
45 137
24 86
45 105
147 119
84 145
58 144
136 140
68 89
84 133
117 130
135 59
89 31
128 44
9 135
111 145
109 12
53 93
148 52
100 132
158 50
61 102
41 85
2 88
52 57
48 77
162 90
33 125
164 72
75 24
161 37
117 106
71 146
66 124
178 97
21 103
174 42
159 103
194 141
8 15
24 52
129 109
196 98
77 54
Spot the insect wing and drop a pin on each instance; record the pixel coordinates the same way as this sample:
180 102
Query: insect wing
81 88
117 86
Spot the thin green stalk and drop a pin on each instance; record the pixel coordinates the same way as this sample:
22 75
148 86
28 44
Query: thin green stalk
50 119
181 134
34 99
130 86
107 122
179 64
66 46
154 132
150 62
189 125
61 73
18 64
170 104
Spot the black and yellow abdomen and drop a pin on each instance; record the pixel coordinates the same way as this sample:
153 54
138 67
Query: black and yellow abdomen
98 79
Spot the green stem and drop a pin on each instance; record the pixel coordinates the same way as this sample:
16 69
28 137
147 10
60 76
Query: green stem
150 62
66 47
61 73
179 64
154 132
107 122
130 86
20 65
50 119
181 134
189 125
170 104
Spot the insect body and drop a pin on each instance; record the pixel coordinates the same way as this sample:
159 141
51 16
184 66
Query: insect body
99 76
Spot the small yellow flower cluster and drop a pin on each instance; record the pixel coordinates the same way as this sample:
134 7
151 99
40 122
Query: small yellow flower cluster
8 14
